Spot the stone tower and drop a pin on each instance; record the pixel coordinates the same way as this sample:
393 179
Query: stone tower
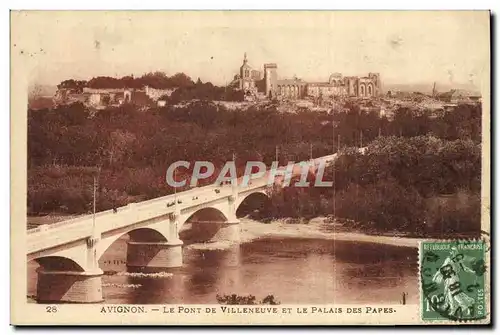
270 79
378 84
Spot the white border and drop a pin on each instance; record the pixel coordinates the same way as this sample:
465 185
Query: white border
258 4
494 5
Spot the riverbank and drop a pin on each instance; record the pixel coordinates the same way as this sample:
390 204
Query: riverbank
316 228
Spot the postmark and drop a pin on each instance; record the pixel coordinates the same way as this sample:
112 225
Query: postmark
452 279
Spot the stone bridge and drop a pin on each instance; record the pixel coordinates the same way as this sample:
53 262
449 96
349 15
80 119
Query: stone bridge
68 252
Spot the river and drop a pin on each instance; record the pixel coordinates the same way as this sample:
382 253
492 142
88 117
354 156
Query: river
295 269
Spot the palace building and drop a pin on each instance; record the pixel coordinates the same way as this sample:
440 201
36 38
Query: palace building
251 81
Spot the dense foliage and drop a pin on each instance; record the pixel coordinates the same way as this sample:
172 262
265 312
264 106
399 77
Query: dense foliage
421 171
205 91
184 88
235 299
420 185
153 79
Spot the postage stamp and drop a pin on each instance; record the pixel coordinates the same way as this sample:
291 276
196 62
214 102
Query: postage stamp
453 280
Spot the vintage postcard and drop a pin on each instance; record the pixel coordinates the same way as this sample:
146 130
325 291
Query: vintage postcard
250 168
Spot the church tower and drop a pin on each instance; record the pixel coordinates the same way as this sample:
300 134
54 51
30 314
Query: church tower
245 74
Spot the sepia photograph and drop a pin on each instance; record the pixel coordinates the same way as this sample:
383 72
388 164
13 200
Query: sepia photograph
252 162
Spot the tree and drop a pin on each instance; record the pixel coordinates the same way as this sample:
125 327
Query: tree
119 142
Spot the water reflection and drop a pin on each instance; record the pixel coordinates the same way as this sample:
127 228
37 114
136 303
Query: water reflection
205 271
293 270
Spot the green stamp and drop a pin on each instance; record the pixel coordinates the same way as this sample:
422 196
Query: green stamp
452 277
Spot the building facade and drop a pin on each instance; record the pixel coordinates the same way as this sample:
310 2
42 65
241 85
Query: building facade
249 80
108 97
337 85
248 77
155 93
291 88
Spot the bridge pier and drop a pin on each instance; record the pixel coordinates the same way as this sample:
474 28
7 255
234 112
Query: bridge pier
229 231
231 256
69 286
151 256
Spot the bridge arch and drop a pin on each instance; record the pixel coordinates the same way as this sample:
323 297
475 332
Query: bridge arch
58 263
206 214
62 279
202 225
258 200
153 234
147 235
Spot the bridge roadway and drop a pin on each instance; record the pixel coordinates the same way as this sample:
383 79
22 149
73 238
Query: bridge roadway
63 232
68 251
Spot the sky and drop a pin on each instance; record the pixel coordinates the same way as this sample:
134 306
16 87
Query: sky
404 47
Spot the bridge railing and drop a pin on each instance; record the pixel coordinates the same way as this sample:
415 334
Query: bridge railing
161 199
140 206
149 204
76 220
143 205
168 197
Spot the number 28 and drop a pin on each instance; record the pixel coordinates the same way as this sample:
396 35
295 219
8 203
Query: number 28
51 309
